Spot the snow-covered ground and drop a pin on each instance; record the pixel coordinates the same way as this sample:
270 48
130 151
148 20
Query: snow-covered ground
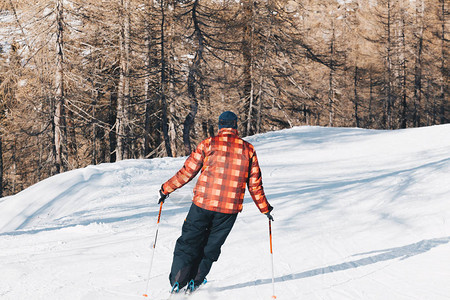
359 214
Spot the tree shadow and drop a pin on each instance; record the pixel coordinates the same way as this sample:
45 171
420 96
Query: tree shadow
401 253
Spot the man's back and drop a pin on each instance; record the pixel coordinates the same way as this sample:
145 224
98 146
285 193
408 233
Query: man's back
227 163
221 185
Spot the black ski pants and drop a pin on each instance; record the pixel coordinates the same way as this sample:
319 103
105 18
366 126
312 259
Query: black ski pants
203 234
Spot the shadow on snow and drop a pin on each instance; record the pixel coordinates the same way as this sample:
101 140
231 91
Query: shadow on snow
401 253
171 211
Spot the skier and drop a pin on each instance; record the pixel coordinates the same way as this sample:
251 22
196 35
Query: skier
227 165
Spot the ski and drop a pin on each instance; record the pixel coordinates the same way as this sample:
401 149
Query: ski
177 294
191 288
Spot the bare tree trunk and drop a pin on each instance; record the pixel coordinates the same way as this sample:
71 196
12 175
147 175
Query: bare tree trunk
194 78
112 122
356 97
122 122
94 144
250 103
418 65
172 131
429 107
262 83
404 116
248 53
94 152
331 91
59 114
388 104
164 125
72 147
149 96
259 107
14 167
171 119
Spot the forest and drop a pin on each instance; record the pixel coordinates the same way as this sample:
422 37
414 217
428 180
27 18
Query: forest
84 82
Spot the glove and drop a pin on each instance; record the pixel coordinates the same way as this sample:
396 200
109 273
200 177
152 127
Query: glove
162 195
269 216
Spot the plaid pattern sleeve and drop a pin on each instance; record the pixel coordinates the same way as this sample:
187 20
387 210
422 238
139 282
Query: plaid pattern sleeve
255 186
189 170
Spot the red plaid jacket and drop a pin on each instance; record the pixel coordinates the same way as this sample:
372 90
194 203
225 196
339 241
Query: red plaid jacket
227 165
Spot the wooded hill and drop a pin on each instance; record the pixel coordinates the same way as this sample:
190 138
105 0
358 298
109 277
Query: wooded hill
88 81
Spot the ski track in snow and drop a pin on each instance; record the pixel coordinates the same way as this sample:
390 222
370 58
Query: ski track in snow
359 214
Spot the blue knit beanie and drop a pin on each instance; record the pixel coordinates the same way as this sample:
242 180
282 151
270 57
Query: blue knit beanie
228 120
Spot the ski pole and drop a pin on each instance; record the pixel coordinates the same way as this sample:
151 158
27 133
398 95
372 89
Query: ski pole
153 251
271 256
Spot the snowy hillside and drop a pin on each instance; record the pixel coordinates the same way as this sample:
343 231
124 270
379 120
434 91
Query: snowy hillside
359 214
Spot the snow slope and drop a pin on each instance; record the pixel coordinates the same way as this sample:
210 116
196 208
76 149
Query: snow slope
359 214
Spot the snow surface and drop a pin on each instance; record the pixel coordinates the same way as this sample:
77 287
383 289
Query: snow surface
359 214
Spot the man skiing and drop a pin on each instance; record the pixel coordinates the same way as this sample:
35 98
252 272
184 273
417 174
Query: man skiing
227 165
